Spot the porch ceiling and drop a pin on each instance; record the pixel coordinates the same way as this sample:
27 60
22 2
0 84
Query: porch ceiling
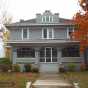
43 42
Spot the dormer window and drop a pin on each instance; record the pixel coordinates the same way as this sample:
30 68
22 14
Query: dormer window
47 19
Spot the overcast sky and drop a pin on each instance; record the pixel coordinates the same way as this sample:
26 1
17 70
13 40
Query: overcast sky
26 9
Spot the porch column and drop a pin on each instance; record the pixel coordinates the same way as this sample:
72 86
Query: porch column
14 55
59 53
37 56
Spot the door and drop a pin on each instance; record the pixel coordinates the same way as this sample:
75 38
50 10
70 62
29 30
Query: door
48 60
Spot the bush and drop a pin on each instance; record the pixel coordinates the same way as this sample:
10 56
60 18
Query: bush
61 68
27 68
71 67
35 69
16 68
82 66
5 61
5 67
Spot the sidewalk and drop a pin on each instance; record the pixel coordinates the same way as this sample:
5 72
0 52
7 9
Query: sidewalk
51 81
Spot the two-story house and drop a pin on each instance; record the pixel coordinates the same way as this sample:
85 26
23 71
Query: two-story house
43 42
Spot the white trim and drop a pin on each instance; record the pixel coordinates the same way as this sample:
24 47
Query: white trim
51 53
42 33
51 49
22 33
52 33
48 33
68 33
28 33
73 29
52 18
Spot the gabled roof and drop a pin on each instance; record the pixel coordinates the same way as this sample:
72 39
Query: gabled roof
62 21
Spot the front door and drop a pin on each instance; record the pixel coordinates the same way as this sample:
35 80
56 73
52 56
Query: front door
48 60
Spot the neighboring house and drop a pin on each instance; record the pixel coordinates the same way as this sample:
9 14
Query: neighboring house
44 42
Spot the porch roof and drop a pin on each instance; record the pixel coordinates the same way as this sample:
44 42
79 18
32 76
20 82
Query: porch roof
40 42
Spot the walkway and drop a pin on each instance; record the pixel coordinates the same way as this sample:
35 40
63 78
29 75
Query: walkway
51 81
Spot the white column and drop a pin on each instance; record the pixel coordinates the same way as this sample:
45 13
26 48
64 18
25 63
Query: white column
59 52
68 33
22 33
14 55
37 56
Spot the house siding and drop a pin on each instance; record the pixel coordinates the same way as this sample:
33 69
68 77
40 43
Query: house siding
36 33
60 33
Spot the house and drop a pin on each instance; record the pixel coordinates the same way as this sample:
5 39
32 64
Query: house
45 42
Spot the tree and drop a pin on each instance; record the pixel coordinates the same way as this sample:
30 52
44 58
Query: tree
6 19
81 20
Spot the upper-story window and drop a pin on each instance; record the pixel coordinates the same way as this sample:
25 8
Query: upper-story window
47 19
47 33
69 32
25 33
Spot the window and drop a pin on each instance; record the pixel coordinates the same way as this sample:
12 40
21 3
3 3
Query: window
51 19
69 32
71 52
48 54
25 33
47 19
25 52
47 33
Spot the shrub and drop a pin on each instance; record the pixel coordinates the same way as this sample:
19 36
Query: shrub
61 68
82 66
16 68
27 68
35 69
5 67
71 67
5 61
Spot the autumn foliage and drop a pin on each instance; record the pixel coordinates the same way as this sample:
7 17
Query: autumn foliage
81 21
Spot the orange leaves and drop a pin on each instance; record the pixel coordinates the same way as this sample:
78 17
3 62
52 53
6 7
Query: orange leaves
81 33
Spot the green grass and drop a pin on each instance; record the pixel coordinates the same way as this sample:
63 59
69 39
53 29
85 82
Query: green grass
22 78
19 78
81 77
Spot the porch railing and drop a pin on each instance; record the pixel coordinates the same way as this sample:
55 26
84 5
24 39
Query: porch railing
25 60
48 59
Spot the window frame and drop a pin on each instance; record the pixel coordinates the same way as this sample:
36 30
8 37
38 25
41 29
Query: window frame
25 52
48 32
22 33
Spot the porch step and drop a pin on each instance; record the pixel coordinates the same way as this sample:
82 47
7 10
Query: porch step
52 84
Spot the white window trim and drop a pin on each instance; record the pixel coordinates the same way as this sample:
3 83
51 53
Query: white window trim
22 33
68 33
51 57
27 34
73 29
48 33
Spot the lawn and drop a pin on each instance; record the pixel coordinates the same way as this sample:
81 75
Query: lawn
19 78
22 78
81 77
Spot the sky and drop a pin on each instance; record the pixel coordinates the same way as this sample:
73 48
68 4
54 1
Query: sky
27 9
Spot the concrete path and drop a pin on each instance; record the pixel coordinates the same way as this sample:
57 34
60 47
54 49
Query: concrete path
51 81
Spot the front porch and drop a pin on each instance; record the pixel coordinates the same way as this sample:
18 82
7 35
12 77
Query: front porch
46 55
